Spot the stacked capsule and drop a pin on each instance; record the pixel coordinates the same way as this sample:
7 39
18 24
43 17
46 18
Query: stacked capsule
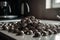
30 26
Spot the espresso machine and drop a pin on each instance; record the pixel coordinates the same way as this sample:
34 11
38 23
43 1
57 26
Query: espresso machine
5 10
14 9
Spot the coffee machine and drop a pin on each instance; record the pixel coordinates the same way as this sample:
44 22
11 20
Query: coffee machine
14 9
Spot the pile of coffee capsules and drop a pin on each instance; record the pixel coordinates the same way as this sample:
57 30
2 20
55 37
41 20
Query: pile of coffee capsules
30 26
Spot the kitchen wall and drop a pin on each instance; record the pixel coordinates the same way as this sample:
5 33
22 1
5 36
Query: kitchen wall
38 9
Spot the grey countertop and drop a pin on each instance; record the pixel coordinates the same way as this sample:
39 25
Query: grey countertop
29 37
43 21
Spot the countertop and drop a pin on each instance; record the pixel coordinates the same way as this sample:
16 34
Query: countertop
29 37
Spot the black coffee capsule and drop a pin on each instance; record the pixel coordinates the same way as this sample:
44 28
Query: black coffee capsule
10 28
14 31
3 27
37 34
55 31
44 33
20 33
29 32
50 31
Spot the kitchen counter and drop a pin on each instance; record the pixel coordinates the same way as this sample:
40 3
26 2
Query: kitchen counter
42 21
29 37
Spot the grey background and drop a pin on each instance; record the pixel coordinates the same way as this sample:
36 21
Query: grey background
38 9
